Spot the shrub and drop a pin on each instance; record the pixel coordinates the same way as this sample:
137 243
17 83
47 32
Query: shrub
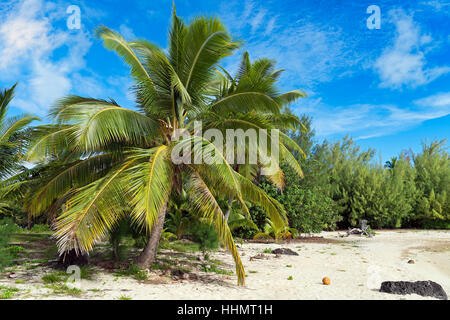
205 236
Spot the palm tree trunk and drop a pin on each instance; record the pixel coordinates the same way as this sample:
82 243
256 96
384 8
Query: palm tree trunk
148 255
228 212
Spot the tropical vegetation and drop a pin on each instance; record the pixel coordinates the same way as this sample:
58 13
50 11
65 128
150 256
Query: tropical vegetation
100 171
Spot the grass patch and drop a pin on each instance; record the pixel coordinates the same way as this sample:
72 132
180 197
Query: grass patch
55 277
26 236
125 298
215 269
86 272
133 271
267 250
59 288
7 292
16 251
180 246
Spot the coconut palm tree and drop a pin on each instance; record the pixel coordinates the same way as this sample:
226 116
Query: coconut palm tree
124 156
13 141
12 135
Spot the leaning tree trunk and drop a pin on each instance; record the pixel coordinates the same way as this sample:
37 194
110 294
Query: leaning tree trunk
228 212
148 255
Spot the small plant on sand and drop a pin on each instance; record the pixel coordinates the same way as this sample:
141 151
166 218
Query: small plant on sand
86 272
206 237
290 278
267 250
59 288
288 266
271 231
55 277
7 292
215 269
133 271
125 298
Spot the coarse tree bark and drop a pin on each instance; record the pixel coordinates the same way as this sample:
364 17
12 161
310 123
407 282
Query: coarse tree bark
148 255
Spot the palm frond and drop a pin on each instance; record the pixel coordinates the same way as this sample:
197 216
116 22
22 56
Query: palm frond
204 202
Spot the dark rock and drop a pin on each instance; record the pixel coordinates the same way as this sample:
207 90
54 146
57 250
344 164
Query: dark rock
285 251
411 261
423 288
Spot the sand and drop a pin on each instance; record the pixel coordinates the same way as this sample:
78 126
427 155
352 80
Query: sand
356 266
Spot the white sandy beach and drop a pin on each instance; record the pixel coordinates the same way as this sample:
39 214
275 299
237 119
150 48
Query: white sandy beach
356 267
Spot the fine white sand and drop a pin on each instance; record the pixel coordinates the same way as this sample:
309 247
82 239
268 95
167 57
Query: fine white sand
356 266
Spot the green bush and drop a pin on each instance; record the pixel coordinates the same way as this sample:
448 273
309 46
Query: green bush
205 236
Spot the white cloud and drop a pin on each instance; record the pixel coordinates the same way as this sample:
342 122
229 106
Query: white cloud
270 26
440 100
28 40
310 52
257 20
367 120
405 63
126 32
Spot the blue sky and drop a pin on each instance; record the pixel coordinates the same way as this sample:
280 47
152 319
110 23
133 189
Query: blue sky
389 88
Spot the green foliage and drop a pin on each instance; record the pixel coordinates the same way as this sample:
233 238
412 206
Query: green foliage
55 277
213 268
181 246
205 236
271 231
433 182
40 228
16 251
133 271
7 228
366 190
60 288
7 292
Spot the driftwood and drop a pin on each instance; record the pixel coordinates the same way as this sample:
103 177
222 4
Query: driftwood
363 230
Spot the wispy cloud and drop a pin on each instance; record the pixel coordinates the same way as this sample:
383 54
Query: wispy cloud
28 40
404 63
311 53
50 61
440 100
369 120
